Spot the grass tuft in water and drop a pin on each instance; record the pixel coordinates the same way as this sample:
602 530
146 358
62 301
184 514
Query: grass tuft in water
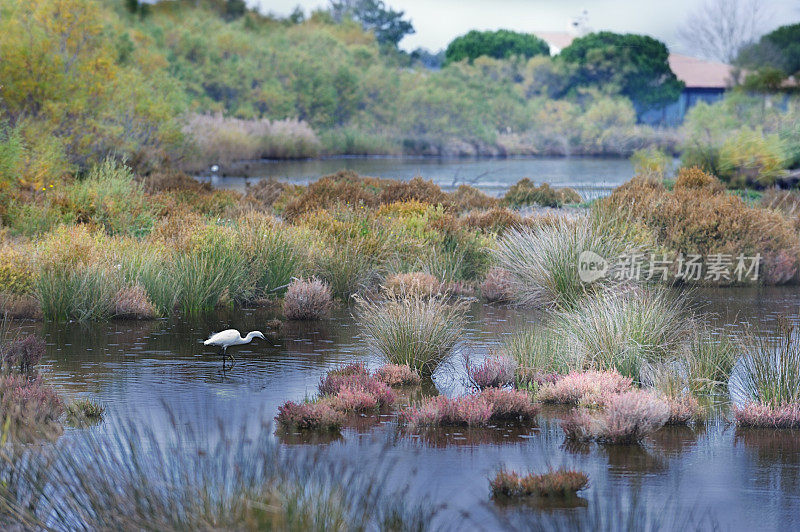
418 332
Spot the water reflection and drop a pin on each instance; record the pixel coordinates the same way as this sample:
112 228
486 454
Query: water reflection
745 478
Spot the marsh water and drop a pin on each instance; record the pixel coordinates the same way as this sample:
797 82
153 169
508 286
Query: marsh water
141 371
591 176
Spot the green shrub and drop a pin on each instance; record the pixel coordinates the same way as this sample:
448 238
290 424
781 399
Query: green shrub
112 198
525 192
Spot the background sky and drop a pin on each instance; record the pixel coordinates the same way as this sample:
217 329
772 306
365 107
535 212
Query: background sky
438 21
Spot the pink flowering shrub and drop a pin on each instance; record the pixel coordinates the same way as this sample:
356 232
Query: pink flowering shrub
584 387
309 416
397 375
351 388
558 483
627 418
23 354
762 415
29 406
349 375
354 400
493 404
496 371
307 300
683 409
468 410
509 404
498 286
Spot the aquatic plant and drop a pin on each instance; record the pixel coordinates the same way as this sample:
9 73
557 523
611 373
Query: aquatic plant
273 251
555 483
309 416
132 302
495 371
348 267
626 418
29 407
770 367
351 388
468 410
541 349
337 378
229 478
543 261
416 284
709 360
209 274
21 355
588 387
625 330
307 300
222 139
84 411
498 286
492 404
509 405
397 375
84 293
760 415
418 332
683 409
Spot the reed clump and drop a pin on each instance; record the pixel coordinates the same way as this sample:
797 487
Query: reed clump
555 483
418 332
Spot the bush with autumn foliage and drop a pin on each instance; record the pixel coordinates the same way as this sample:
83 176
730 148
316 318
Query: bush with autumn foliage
700 217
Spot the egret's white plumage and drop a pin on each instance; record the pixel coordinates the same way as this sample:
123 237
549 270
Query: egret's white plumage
229 337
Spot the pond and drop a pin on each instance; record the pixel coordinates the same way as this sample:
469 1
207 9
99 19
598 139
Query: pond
590 175
740 479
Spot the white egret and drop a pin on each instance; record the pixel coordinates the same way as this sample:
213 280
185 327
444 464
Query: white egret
229 337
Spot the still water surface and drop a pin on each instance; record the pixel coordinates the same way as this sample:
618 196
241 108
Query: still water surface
494 176
743 479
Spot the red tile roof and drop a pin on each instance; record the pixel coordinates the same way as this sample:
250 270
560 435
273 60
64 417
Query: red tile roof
699 73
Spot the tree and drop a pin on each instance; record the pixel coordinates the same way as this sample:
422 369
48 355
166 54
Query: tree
778 49
499 44
386 24
719 29
635 66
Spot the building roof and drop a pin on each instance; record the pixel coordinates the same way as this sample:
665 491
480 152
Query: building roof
701 74
557 40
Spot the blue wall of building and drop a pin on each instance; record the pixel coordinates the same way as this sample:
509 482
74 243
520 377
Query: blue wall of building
674 113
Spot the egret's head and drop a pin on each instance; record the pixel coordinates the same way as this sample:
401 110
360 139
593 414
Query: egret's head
258 334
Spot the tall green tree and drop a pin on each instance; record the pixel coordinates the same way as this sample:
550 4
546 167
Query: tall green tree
779 49
635 66
388 25
499 44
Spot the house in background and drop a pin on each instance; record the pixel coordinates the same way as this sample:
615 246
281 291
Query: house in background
705 81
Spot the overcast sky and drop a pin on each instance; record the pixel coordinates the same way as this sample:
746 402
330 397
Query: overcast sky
438 21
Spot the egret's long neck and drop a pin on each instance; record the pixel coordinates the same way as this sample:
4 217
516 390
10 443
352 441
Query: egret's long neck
249 338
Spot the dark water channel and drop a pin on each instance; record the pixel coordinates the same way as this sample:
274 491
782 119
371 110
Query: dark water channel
740 479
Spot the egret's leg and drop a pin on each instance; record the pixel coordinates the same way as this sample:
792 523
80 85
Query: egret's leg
224 357
233 361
